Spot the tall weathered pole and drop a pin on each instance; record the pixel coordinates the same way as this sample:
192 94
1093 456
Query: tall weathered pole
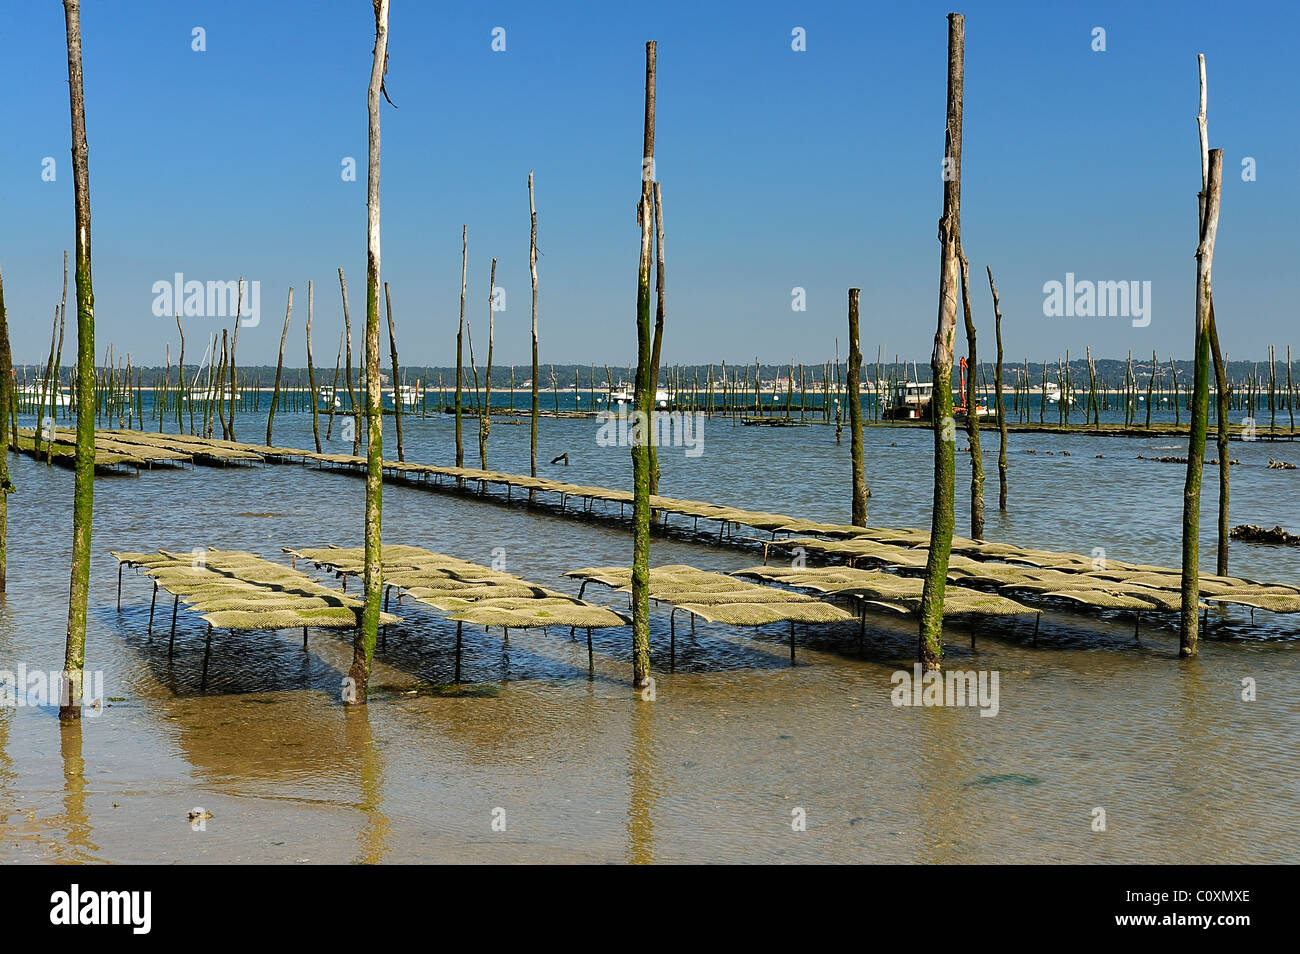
311 372
363 647
656 348
6 398
643 399
460 336
532 270
997 388
972 405
855 415
397 384
279 370
485 409
83 491
355 408
941 520
1208 206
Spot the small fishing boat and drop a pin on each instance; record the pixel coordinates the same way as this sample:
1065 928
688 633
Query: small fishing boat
910 401
325 395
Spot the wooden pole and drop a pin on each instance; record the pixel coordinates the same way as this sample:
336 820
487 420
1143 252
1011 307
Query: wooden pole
860 492
1209 202
6 401
656 348
83 493
970 398
397 383
460 333
311 372
355 407
279 369
643 402
941 523
997 387
485 410
367 632
234 338
334 389
532 270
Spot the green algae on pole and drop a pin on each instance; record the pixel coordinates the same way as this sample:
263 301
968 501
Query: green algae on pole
855 415
363 647
941 420
83 493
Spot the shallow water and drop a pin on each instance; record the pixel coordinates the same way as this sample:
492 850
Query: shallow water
736 740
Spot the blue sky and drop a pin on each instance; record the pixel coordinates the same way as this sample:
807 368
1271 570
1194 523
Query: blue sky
818 169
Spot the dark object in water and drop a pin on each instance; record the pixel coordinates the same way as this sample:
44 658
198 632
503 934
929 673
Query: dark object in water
1255 534
1213 462
563 457
1280 465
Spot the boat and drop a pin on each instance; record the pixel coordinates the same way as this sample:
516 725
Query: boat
409 393
910 401
35 392
215 394
1053 393
325 395
621 396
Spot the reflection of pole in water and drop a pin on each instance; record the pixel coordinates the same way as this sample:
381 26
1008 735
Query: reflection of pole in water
642 785
947 814
458 627
7 773
374 834
75 822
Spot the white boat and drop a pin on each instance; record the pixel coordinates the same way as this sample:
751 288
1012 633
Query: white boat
909 402
325 395
622 395
35 391
1053 392
409 393
215 394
